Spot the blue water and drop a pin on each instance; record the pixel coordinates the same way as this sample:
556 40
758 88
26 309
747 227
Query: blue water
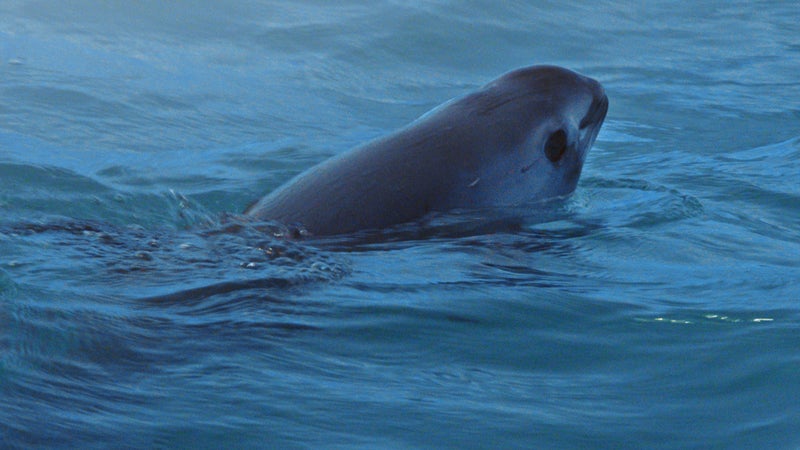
656 308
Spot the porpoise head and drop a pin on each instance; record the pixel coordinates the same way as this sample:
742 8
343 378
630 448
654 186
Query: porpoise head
520 139
544 120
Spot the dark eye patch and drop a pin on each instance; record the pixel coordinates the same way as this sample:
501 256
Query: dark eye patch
556 145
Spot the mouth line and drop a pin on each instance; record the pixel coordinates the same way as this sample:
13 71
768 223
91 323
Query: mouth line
596 114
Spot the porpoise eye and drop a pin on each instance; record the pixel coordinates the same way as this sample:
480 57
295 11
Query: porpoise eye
556 145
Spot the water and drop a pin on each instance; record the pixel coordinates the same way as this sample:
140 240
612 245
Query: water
656 308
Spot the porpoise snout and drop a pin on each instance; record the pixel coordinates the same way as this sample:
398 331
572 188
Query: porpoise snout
598 109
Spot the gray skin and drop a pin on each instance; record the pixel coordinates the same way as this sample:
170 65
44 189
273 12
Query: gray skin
520 139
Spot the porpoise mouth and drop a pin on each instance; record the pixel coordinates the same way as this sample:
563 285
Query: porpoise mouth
597 112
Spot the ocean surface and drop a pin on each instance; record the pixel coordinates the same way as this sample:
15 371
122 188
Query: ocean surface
658 307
